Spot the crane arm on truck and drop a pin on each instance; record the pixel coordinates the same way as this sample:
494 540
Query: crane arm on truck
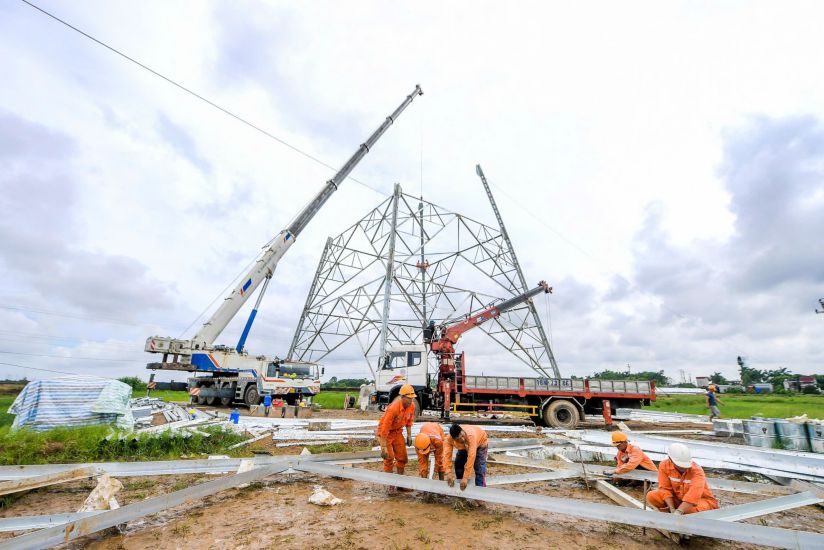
452 333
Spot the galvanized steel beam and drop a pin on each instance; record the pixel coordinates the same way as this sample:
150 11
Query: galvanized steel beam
52 478
61 534
761 507
753 534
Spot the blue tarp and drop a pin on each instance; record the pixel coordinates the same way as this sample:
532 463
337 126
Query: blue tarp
71 401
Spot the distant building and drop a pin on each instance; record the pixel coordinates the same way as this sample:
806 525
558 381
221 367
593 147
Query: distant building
702 381
799 383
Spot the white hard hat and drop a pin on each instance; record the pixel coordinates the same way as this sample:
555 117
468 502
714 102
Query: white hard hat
680 455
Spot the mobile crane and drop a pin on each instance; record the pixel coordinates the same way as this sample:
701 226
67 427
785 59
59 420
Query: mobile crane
559 403
230 374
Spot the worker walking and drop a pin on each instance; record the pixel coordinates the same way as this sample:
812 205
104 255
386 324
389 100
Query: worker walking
472 445
400 414
629 456
267 404
430 441
682 485
712 402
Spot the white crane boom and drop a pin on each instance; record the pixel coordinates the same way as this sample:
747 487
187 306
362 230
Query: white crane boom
266 265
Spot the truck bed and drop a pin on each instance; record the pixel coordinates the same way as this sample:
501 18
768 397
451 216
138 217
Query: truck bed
586 387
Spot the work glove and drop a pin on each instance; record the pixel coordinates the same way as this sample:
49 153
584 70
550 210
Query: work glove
450 480
384 453
678 513
463 484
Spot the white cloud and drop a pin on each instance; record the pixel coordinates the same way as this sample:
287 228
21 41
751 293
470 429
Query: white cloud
625 128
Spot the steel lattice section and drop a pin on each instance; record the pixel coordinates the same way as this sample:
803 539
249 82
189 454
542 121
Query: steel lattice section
346 299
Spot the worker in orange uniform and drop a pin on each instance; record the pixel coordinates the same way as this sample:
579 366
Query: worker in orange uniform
400 414
629 456
682 485
472 445
430 440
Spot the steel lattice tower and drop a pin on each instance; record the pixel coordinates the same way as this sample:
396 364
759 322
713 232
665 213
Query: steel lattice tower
382 279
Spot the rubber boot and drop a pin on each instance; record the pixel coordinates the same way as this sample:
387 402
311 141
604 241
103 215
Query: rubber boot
399 471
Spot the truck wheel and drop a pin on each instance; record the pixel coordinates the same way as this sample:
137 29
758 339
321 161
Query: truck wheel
226 401
561 414
252 396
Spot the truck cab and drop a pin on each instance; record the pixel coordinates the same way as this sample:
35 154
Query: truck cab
402 364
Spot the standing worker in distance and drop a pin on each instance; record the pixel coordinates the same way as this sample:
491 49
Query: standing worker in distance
400 414
430 440
712 402
629 456
473 446
267 404
682 485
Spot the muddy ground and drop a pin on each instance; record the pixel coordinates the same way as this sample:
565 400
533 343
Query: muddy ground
276 513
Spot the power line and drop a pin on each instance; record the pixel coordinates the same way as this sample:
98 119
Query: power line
197 95
13 307
37 368
70 357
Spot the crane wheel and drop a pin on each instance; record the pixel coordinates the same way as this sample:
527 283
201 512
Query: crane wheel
560 413
251 397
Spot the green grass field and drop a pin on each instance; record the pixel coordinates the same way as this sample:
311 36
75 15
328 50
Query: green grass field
327 399
745 406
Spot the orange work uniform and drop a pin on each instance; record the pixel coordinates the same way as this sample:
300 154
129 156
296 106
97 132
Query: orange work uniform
631 458
476 450
436 438
395 418
691 487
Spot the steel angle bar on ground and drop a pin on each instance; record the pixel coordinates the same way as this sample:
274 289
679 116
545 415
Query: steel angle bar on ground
25 523
531 476
790 462
70 531
718 462
715 483
52 478
761 507
167 467
754 534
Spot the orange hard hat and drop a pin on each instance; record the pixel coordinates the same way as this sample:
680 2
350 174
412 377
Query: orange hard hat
407 391
422 443
619 437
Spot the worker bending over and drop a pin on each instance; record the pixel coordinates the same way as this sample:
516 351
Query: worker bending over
400 414
629 456
430 440
472 445
682 485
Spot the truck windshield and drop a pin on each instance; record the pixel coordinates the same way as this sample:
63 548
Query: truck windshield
296 370
395 360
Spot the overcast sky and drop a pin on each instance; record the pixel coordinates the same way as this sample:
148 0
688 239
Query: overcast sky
661 164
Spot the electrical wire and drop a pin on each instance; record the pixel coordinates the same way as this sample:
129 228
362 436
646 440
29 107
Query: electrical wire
70 357
37 368
197 95
14 307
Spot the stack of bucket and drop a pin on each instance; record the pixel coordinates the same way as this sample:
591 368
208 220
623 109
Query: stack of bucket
775 433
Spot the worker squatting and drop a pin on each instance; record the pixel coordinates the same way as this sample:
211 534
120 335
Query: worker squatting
682 485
